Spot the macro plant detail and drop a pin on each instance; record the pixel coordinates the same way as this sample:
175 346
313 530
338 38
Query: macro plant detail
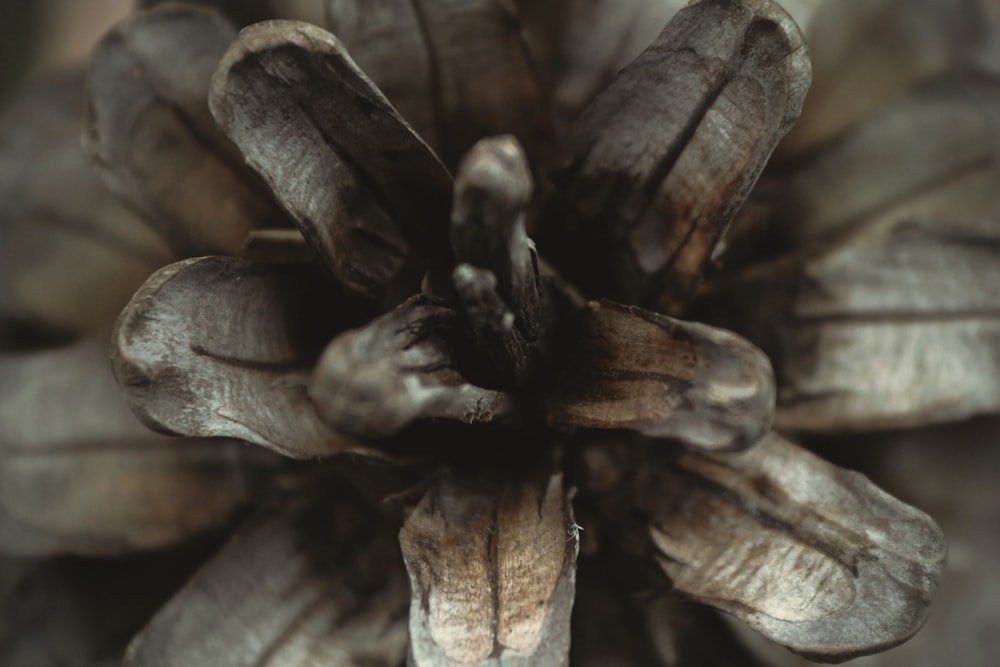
358 283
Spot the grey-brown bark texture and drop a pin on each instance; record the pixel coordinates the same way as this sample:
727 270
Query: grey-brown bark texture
492 573
297 586
647 213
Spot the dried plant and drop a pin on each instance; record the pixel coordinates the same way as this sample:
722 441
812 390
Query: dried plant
339 295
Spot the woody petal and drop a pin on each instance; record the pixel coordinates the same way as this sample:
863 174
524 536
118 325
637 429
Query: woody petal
622 367
153 140
662 160
80 475
492 568
814 557
365 190
218 346
311 579
458 71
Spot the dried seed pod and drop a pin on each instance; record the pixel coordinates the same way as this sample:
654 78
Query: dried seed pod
294 587
814 557
184 372
458 71
492 571
64 425
364 189
624 367
659 164
374 381
153 140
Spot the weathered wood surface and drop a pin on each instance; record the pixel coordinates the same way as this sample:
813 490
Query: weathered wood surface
492 571
217 346
624 367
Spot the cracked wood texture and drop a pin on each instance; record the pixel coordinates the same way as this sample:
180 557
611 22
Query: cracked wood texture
153 140
812 556
218 346
79 474
374 381
313 579
624 367
492 571
661 161
365 190
457 71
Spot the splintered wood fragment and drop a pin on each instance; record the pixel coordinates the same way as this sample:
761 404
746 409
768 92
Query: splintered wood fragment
153 139
397 369
71 255
812 556
314 579
457 71
662 160
65 426
217 346
621 367
365 190
492 571
896 326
